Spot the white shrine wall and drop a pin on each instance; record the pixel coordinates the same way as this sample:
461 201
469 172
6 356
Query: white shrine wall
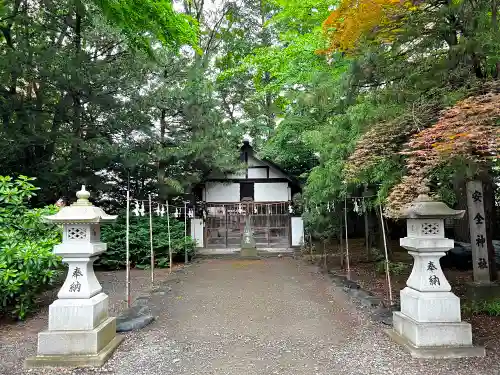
197 232
218 192
257 172
271 192
297 231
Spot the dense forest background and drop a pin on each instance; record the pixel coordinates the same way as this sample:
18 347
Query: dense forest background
387 97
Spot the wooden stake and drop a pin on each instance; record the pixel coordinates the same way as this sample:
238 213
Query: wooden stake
387 268
169 242
151 242
185 234
341 244
347 242
127 251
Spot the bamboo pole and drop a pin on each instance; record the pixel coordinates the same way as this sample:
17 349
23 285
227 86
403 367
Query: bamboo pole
127 251
169 242
347 242
151 242
341 243
185 234
325 263
387 269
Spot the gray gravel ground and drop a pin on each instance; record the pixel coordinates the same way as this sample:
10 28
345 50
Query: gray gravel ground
273 316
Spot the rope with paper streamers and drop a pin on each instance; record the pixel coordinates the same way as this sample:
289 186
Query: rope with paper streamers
160 210
358 202
360 207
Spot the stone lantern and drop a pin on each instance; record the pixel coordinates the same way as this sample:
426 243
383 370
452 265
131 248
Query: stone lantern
429 324
80 332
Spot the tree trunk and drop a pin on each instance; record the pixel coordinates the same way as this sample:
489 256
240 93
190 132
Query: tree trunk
324 256
162 165
341 244
461 226
494 16
368 219
496 31
381 242
76 157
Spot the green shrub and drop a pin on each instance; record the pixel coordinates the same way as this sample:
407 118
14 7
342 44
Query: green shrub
27 264
377 255
488 307
140 254
395 268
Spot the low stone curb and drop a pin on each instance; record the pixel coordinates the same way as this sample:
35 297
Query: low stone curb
237 255
379 312
136 317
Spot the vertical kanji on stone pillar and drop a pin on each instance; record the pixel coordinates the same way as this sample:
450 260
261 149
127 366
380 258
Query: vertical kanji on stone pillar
478 234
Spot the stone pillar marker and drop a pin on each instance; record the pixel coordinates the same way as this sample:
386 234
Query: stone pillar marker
479 243
80 332
485 286
429 324
248 246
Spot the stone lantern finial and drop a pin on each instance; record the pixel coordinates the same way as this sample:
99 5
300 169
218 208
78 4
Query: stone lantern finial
83 197
82 211
424 190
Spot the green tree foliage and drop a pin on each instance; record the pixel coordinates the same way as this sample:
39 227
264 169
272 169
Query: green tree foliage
143 22
344 119
139 243
27 264
81 100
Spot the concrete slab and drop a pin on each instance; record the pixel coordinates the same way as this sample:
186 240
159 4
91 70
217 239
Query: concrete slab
236 251
422 334
249 253
443 352
91 342
73 361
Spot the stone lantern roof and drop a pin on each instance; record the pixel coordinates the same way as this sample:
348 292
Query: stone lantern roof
82 211
424 207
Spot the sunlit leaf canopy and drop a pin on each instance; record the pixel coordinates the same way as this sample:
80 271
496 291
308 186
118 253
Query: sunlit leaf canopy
353 21
143 21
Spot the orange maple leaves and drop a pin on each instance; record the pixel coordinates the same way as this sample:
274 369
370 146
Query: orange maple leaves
355 20
468 131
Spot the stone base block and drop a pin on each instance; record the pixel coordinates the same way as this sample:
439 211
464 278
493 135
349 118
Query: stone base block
96 360
430 306
442 352
422 334
70 343
249 253
480 291
78 314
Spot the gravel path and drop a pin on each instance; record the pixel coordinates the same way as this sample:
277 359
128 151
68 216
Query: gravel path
273 316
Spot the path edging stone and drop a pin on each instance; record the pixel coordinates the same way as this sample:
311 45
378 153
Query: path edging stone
139 314
365 298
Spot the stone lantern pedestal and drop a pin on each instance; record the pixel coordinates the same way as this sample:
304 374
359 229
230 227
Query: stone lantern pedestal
80 332
429 324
